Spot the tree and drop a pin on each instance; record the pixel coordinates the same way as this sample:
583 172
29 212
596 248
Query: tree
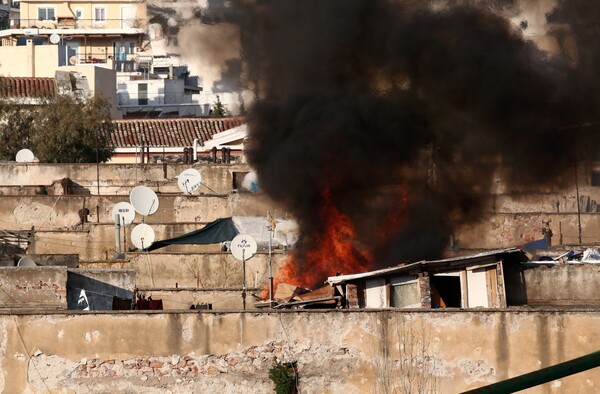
62 129
218 110
16 125
70 130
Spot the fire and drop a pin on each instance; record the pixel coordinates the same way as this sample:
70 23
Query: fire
334 250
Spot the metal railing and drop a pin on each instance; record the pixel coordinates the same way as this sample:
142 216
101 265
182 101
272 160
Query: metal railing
74 23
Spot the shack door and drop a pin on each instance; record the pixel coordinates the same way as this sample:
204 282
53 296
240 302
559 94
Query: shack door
477 294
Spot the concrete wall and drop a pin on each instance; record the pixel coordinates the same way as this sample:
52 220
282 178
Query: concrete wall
564 284
337 351
33 287
29 61
218 177
100 286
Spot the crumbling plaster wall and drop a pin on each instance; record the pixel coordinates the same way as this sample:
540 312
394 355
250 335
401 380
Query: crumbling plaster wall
33 287
336 351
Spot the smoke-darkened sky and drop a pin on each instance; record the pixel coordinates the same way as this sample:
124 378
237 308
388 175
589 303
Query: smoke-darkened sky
360 96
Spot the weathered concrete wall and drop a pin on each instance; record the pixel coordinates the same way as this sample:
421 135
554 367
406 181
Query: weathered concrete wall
564 284
337 351
100 285
33 287
219 178
62 212
220 299
201 270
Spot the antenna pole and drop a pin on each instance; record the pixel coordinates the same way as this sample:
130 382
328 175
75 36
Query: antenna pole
270 267
244 279
118 233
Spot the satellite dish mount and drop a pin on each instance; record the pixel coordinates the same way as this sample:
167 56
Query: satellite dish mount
243 247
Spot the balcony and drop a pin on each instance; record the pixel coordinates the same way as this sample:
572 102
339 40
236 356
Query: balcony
132 25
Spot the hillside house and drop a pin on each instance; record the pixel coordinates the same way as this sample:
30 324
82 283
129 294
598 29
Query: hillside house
92 32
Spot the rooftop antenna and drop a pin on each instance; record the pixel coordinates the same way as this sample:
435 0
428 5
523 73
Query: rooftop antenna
144 201
243 247
25 156
123 215
142 236
189 181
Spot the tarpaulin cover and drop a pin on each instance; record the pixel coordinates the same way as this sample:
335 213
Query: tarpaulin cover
220 230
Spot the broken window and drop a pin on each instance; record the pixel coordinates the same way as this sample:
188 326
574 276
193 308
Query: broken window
445 290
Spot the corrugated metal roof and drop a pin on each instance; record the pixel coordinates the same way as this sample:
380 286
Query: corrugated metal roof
16 87
454 261
177 132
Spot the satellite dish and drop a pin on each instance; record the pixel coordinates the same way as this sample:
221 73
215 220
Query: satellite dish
125 213
26 261
189 180
54 38
144 200
243 247
25 156
142 236
250 182
73 60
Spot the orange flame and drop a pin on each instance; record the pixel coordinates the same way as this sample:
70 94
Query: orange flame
334 250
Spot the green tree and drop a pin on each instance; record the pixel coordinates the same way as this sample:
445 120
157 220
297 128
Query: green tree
63 129
218 110
16 125
74 131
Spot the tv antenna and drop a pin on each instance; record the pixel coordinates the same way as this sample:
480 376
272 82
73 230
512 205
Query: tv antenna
144 200
123 215
243 247
142 236
189 180
25 156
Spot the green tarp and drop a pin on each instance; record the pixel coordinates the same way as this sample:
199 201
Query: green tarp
220 230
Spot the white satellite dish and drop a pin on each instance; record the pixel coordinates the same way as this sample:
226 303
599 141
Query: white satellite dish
54 38
250 182
189 180
144 200
25 156
142 236
125 213
243 247
26 261
73 60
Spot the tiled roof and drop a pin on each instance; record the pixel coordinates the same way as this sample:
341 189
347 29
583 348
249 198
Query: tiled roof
14 87
168 132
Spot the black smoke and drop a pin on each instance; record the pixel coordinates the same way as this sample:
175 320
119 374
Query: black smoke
360 96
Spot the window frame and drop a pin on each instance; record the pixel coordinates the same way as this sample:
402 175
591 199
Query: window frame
46 8
103 16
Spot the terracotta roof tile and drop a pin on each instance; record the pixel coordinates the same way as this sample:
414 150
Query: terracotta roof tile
14 87
168 132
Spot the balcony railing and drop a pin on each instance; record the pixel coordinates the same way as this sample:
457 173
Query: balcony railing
73 23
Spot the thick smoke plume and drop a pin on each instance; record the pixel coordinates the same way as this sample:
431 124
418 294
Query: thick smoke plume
403 115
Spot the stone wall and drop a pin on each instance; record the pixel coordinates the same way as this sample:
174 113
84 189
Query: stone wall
336 351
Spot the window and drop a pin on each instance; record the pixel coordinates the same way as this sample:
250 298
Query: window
143 94
404 293
46 13
99 14
78 13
